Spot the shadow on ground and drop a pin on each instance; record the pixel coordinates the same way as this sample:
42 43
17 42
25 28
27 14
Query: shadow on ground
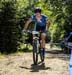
55 51
36 68
57 54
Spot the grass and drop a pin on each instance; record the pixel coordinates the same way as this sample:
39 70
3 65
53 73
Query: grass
54 47
25 48
2 56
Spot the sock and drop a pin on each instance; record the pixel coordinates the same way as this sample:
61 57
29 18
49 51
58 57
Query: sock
43 51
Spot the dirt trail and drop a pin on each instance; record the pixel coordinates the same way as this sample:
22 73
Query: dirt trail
56 63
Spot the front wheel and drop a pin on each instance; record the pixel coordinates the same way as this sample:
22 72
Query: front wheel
35 51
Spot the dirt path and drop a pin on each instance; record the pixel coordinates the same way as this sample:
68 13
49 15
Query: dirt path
56 63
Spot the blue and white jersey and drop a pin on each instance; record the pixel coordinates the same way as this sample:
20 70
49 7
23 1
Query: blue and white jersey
42 22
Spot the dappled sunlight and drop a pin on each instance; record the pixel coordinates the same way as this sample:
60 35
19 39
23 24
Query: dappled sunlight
16 50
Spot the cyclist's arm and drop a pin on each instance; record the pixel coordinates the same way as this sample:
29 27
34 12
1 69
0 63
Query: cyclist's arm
27 23
48 24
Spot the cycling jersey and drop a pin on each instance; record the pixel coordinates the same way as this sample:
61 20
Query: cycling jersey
42 24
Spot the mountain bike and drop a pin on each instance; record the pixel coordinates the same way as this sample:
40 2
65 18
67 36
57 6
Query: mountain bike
36 46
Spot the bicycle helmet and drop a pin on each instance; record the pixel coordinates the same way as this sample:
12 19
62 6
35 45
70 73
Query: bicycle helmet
37 10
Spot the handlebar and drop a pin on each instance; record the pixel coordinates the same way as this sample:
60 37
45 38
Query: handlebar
33 32
26 31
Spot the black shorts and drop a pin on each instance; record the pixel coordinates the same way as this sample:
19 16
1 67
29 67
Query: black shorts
40 28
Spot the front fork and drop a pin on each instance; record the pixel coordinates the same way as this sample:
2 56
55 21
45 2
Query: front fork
36 44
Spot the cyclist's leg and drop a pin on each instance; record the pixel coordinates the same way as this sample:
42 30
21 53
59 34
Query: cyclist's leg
43 37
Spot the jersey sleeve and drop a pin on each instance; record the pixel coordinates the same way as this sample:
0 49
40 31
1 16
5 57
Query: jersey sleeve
46 18
33 17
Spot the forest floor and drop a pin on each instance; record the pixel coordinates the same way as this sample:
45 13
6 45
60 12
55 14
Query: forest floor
56 63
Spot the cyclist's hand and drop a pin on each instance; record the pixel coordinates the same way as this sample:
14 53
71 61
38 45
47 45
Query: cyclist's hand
23 30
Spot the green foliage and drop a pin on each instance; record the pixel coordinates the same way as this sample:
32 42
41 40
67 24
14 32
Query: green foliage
68 21
8 27
15 13
61 13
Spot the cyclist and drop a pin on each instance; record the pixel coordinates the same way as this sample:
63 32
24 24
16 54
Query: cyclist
41 21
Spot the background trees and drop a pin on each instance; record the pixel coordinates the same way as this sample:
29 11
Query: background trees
8 27
14 14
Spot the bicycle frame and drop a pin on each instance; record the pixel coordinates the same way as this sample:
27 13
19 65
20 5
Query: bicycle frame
37 38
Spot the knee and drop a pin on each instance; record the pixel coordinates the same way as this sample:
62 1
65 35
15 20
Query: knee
43 38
